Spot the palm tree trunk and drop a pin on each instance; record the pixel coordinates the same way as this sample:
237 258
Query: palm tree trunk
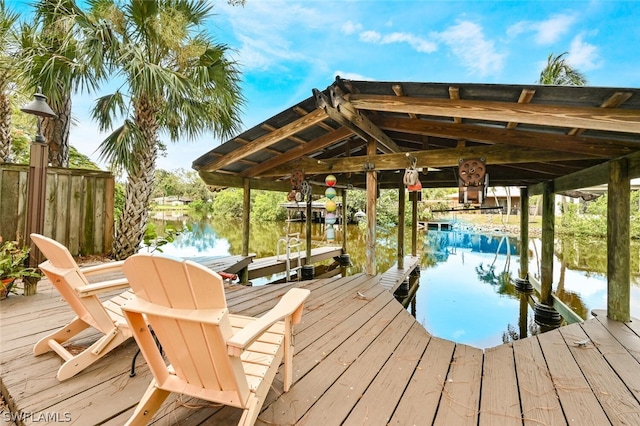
135 213
139 184
56 133
5 127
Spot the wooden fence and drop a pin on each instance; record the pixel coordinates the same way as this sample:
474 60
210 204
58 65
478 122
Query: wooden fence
79 207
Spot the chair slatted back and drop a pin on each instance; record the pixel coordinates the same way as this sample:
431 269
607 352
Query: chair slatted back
64 273
195 349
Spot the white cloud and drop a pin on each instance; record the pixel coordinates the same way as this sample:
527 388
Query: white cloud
351 27
265 31
370 37
352 76
545 32
582 55
417 43
261 53
468 43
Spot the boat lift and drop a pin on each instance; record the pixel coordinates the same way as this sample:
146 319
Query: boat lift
291 243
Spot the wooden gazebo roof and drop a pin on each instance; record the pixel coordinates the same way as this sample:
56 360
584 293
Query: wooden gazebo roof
527 134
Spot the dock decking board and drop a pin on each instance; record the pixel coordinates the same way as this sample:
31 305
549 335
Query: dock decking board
360 359
538 397
578 402
393 277
500 403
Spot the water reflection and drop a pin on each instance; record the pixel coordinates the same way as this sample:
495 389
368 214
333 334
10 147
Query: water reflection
466 292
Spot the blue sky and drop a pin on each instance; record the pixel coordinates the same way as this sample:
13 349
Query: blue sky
286 48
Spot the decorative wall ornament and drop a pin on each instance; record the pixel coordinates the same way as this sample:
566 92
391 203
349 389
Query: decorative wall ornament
330 206
473 181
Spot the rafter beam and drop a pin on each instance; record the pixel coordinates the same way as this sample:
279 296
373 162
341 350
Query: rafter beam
525 97
592 176
399 91
614 101
558 142
267 140
607 119
494 154
216 180
308 148
454 93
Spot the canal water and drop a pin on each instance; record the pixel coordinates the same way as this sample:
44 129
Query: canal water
466 292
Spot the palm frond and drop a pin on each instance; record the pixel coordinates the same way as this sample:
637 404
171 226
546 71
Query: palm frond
559 72
120 146
107 109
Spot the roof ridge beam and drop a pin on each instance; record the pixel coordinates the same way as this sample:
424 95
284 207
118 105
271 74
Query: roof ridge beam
607 119
359 120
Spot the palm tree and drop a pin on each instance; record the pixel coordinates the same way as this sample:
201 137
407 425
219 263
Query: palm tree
7 76
54 57
175 80
560 73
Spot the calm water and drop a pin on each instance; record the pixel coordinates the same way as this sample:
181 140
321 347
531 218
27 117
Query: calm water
465 291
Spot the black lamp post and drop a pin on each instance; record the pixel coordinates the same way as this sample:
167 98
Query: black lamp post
39 156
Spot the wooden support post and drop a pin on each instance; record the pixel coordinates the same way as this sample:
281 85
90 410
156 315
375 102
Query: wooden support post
246 216
618 242
344 221
401 202
372 190
308 222
548 234
524 232
414 223
523 320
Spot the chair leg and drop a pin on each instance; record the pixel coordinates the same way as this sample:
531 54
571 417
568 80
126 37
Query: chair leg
288 355
149 404
250 414
60 336
84 359
132 373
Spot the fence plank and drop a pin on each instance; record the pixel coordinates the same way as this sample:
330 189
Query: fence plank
8 207
78 208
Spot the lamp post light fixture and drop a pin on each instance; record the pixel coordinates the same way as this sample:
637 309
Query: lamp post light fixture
39 156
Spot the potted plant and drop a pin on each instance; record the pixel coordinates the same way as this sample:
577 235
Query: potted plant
12 266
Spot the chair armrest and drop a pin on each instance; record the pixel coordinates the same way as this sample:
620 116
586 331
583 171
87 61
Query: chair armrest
101 287
291 304
205 316
102 268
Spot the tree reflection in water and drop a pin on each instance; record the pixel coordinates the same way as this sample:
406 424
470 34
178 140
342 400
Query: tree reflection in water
579 273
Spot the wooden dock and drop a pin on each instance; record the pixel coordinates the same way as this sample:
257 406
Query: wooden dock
266 266
394 276
229 264
360 359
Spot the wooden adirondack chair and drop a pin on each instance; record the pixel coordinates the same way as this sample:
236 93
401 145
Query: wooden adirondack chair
72 283
213 355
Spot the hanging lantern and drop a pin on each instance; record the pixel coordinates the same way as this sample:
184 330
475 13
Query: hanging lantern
330 206
330 193
330 218
330 180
